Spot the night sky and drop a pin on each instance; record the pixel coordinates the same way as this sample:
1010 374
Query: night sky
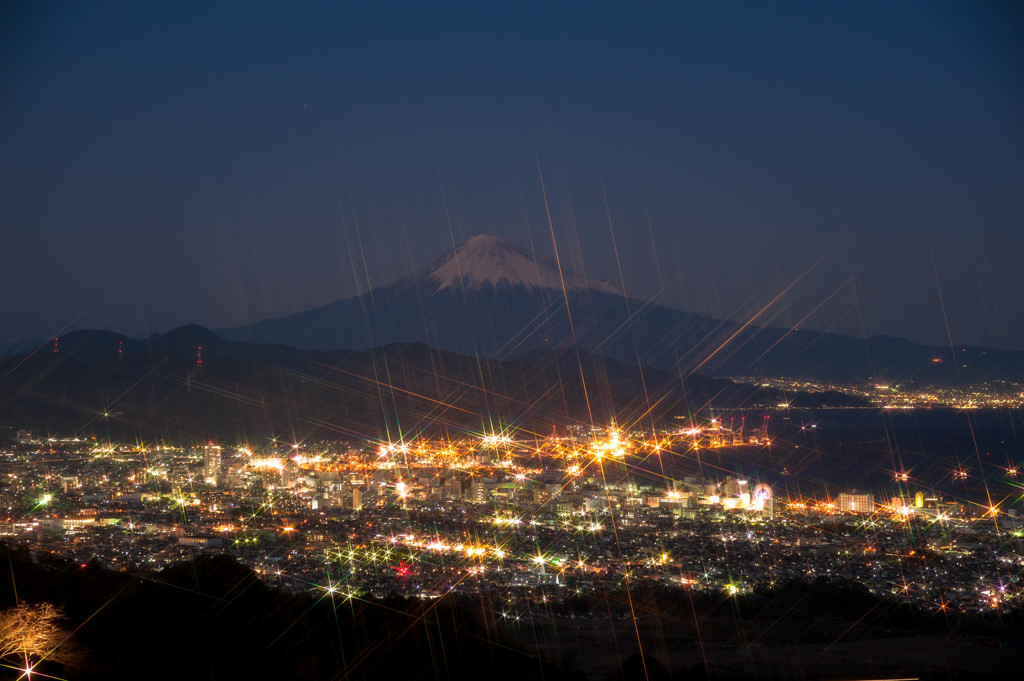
165 164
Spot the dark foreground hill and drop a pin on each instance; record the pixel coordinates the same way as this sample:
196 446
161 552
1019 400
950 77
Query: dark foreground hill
212 618
190 383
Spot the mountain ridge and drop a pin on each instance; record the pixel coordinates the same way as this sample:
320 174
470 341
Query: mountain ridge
489 299
457 304
157 387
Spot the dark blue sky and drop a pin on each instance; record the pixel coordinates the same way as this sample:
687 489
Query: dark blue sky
164 164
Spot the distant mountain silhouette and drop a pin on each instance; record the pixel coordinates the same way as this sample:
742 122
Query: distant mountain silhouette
163 387
488 298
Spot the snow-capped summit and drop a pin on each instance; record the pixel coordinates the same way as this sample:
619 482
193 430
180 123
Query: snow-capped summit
488 259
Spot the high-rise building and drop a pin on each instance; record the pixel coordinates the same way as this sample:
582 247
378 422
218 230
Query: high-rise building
212 464
453 488
480 490
856 503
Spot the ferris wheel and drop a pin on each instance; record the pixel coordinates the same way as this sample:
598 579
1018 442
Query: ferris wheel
761 497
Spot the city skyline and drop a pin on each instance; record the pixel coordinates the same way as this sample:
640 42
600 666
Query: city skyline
535 529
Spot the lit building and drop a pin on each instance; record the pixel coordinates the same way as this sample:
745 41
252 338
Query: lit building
856 503
211 464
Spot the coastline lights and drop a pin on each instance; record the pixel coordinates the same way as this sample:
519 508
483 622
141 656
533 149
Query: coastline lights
494 439
393 448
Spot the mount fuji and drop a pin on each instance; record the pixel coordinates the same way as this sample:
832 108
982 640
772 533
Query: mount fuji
491 262
489 298
486 297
